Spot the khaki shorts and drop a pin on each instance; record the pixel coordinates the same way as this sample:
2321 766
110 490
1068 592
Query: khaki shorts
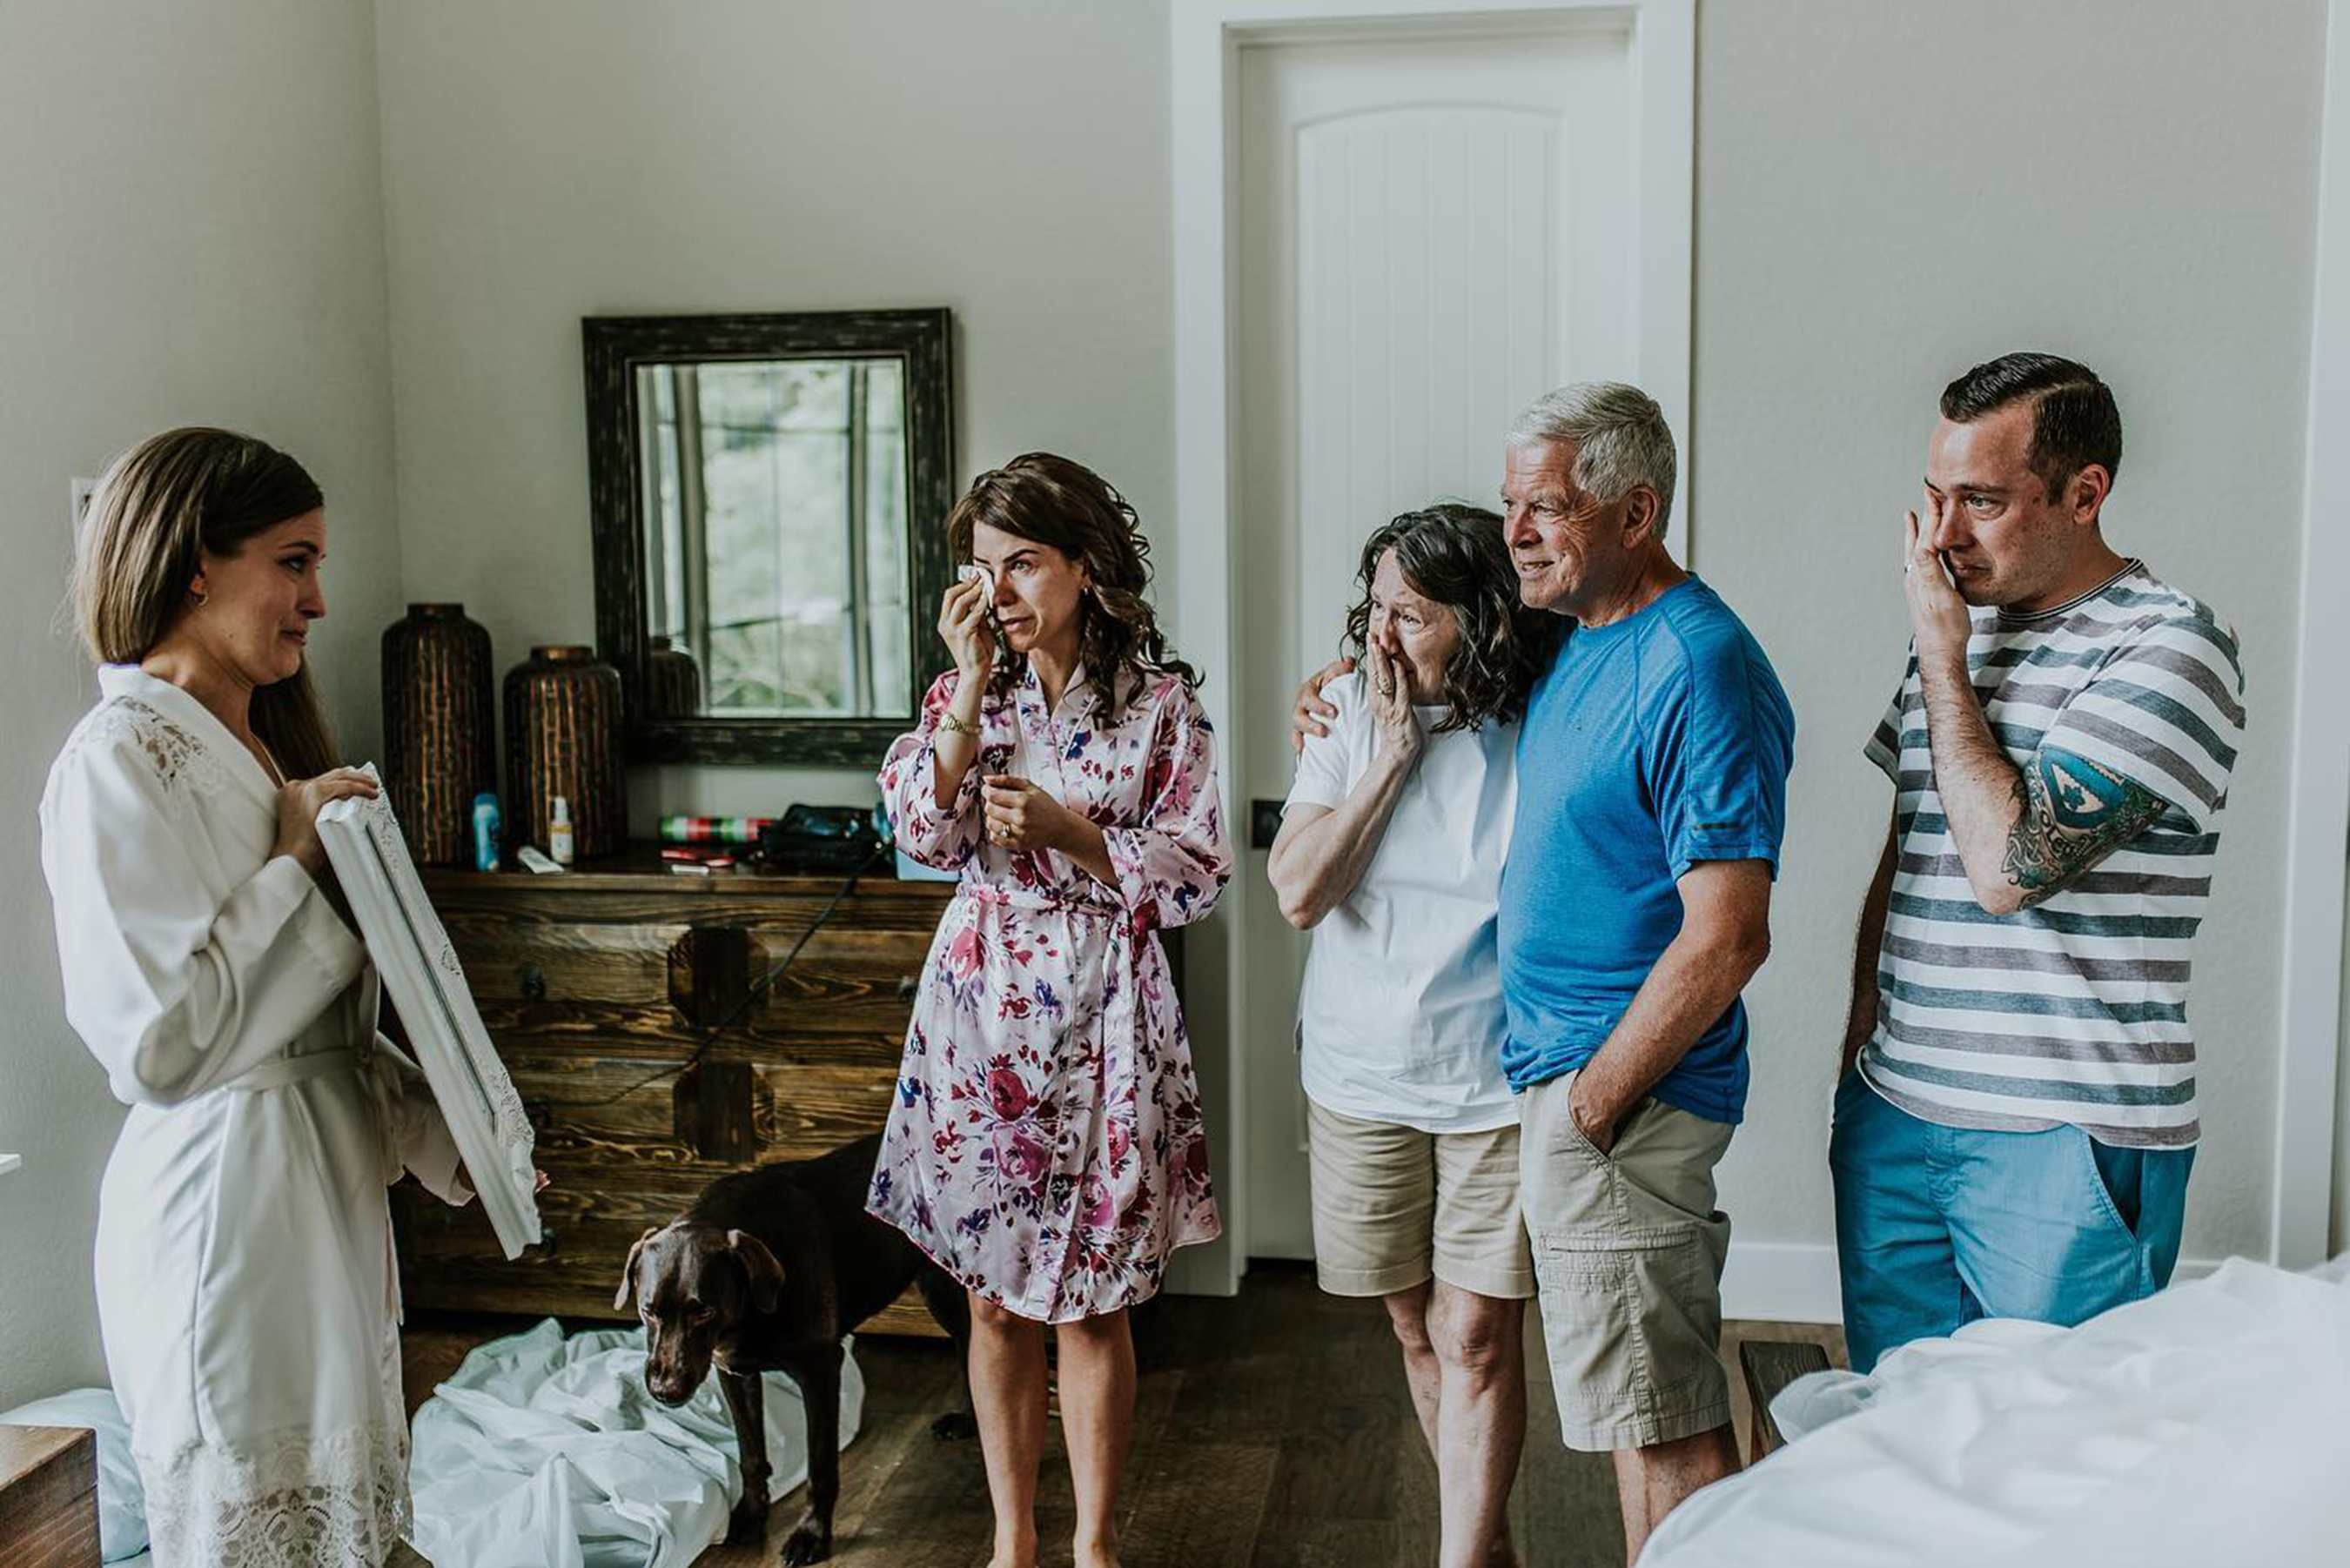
1628 1249
1394 1206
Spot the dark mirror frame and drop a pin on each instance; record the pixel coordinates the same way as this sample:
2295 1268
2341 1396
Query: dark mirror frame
614 347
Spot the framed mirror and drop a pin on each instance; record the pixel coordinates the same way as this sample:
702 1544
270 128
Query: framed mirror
768 495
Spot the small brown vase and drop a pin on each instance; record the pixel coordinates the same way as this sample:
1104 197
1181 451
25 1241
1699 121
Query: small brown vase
564 738
440 739
672 680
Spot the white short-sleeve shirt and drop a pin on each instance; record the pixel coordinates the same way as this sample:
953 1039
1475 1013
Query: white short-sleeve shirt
1401 1017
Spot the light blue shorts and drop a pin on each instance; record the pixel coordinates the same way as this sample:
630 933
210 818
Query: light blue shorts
1937 1226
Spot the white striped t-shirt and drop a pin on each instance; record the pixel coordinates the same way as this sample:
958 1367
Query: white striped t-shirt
2073 1009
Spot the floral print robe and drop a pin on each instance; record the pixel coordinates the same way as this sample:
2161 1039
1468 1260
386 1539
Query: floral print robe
1045 1143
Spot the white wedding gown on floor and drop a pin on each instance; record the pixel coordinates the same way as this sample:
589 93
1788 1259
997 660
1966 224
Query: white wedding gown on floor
247 1290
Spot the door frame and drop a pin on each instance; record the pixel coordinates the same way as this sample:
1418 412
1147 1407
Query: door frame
2312 1173
1206 37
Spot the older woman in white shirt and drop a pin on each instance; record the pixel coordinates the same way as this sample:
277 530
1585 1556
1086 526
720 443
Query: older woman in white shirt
246 1293
1390 852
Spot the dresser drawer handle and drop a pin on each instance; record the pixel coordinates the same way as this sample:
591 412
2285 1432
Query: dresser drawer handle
544 1245
534 983
538 1111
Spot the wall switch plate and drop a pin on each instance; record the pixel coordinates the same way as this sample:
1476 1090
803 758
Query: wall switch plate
1265 822
80 489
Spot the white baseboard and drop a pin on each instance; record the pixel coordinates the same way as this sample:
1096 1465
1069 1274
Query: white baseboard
1782 1282
1795 1282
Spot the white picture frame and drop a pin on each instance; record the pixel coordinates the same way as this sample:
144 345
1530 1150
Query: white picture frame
420 972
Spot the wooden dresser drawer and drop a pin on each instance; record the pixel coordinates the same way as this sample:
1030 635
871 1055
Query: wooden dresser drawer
599 987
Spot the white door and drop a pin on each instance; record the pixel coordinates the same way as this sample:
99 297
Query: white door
1432 226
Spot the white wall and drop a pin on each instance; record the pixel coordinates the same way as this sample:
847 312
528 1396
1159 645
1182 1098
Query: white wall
1888 193
194 235
197 229
546 160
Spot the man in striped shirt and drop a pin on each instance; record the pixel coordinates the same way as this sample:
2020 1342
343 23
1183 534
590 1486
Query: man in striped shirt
2016 1116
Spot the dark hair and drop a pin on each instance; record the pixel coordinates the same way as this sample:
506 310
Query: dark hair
2074 422
1453 553
1067 505
158 509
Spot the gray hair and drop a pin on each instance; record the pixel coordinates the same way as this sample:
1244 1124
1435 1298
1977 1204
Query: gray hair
1619 434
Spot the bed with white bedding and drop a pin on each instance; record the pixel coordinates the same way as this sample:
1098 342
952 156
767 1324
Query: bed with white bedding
2203 1425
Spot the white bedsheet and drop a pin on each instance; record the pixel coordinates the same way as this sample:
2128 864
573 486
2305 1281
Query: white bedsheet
546 1453
2203 1425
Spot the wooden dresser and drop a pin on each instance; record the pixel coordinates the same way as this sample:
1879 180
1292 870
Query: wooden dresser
597 985
48 1497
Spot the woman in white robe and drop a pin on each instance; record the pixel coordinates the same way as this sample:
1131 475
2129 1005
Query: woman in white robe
247 1292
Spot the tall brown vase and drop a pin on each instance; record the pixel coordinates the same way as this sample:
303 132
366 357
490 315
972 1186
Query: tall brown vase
563 738
440 742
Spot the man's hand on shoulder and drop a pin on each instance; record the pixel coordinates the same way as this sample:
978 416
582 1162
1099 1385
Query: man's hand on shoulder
1307 718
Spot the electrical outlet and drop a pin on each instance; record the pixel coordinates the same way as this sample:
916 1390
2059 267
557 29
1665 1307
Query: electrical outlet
80 489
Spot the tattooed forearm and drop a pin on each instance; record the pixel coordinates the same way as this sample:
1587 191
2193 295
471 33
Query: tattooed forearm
2071 814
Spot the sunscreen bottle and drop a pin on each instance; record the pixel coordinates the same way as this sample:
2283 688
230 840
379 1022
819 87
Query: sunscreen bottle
558 831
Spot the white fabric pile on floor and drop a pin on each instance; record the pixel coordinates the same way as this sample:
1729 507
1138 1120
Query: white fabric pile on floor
546 1453
2200 1426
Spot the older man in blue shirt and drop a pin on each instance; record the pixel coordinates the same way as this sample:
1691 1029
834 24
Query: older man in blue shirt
1652 770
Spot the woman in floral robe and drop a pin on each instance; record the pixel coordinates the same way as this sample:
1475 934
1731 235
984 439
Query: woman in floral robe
1045 1142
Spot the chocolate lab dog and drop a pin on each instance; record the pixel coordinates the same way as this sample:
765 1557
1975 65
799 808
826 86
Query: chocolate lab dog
765 1273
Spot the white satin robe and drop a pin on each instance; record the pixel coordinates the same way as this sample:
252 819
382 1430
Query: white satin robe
245 1284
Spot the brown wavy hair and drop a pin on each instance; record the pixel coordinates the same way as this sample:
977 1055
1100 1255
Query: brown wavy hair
157 510
1054 501
1453 553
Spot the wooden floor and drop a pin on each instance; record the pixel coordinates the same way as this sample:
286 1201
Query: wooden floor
1273 1429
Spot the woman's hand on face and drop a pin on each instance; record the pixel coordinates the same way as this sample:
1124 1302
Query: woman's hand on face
1022 817
298 813
1391 711
964 623
1313 708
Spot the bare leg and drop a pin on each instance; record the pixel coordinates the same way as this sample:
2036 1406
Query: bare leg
1652 1482
1097 1423
1480 1345
1007 1394
1408 1315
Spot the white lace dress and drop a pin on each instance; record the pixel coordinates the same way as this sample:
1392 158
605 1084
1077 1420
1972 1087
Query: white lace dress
245 1285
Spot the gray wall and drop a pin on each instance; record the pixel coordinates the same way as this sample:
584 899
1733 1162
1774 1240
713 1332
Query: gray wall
1886 195
546 160
1886 192
194 235
198 230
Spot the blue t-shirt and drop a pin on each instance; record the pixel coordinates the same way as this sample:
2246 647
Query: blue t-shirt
1651 743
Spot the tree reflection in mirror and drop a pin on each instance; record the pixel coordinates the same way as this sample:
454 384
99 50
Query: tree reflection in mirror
773 508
